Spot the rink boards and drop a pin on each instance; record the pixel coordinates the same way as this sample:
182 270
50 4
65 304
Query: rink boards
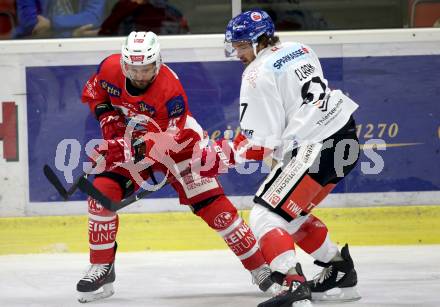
171 231
393 75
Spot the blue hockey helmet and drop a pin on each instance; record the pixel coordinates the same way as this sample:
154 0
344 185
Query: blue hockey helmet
247 27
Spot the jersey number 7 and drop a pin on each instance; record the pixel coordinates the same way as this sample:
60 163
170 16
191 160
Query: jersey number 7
244 105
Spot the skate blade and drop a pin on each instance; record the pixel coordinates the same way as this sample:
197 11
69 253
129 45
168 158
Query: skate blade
337 295
303 303
87 297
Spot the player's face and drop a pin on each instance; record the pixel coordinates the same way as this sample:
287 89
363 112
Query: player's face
141 75
245 52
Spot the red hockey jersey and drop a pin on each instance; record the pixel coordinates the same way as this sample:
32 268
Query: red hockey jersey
163 105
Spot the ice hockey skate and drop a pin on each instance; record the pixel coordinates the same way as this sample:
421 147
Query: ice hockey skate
295 291
337 281
97 283
262 278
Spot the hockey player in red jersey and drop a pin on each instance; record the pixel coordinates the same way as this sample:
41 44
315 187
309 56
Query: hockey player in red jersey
288 114
135 86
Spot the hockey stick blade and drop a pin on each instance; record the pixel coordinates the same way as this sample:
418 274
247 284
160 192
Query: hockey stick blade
87 187
53 179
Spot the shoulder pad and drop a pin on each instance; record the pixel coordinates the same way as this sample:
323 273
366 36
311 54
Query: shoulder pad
286 55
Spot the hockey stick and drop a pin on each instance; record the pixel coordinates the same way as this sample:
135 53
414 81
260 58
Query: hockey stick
88 188
65 194
55 181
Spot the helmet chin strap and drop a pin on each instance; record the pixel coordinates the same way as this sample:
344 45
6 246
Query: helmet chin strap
159 63
254 48
155 76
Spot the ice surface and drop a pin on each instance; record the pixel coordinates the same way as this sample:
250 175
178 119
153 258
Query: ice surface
388 276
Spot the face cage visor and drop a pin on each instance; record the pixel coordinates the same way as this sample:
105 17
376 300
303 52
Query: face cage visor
133 75
230 51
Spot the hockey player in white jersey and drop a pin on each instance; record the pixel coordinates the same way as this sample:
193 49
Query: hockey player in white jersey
288 113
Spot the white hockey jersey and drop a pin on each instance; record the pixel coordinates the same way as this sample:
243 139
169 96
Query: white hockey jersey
285 101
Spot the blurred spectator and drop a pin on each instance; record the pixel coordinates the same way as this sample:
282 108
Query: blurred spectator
299 19
289 15
296 19
141 15
7 18
58 18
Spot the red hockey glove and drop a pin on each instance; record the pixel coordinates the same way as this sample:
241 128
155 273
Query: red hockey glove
214 159
115 151
112 122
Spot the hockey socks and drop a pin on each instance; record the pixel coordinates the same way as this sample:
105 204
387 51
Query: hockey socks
275 243
103 224
222 216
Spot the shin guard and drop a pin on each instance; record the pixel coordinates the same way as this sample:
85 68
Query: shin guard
103 224
311 234
313 238
222 216
278 250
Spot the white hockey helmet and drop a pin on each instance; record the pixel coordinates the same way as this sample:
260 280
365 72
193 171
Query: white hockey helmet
140 48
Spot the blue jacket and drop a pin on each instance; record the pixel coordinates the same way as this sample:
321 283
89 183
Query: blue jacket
27 11
89 11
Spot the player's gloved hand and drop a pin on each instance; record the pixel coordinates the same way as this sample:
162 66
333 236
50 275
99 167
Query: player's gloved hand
213 159
116 152
112 122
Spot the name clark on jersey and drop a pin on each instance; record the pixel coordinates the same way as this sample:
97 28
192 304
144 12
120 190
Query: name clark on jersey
304 71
